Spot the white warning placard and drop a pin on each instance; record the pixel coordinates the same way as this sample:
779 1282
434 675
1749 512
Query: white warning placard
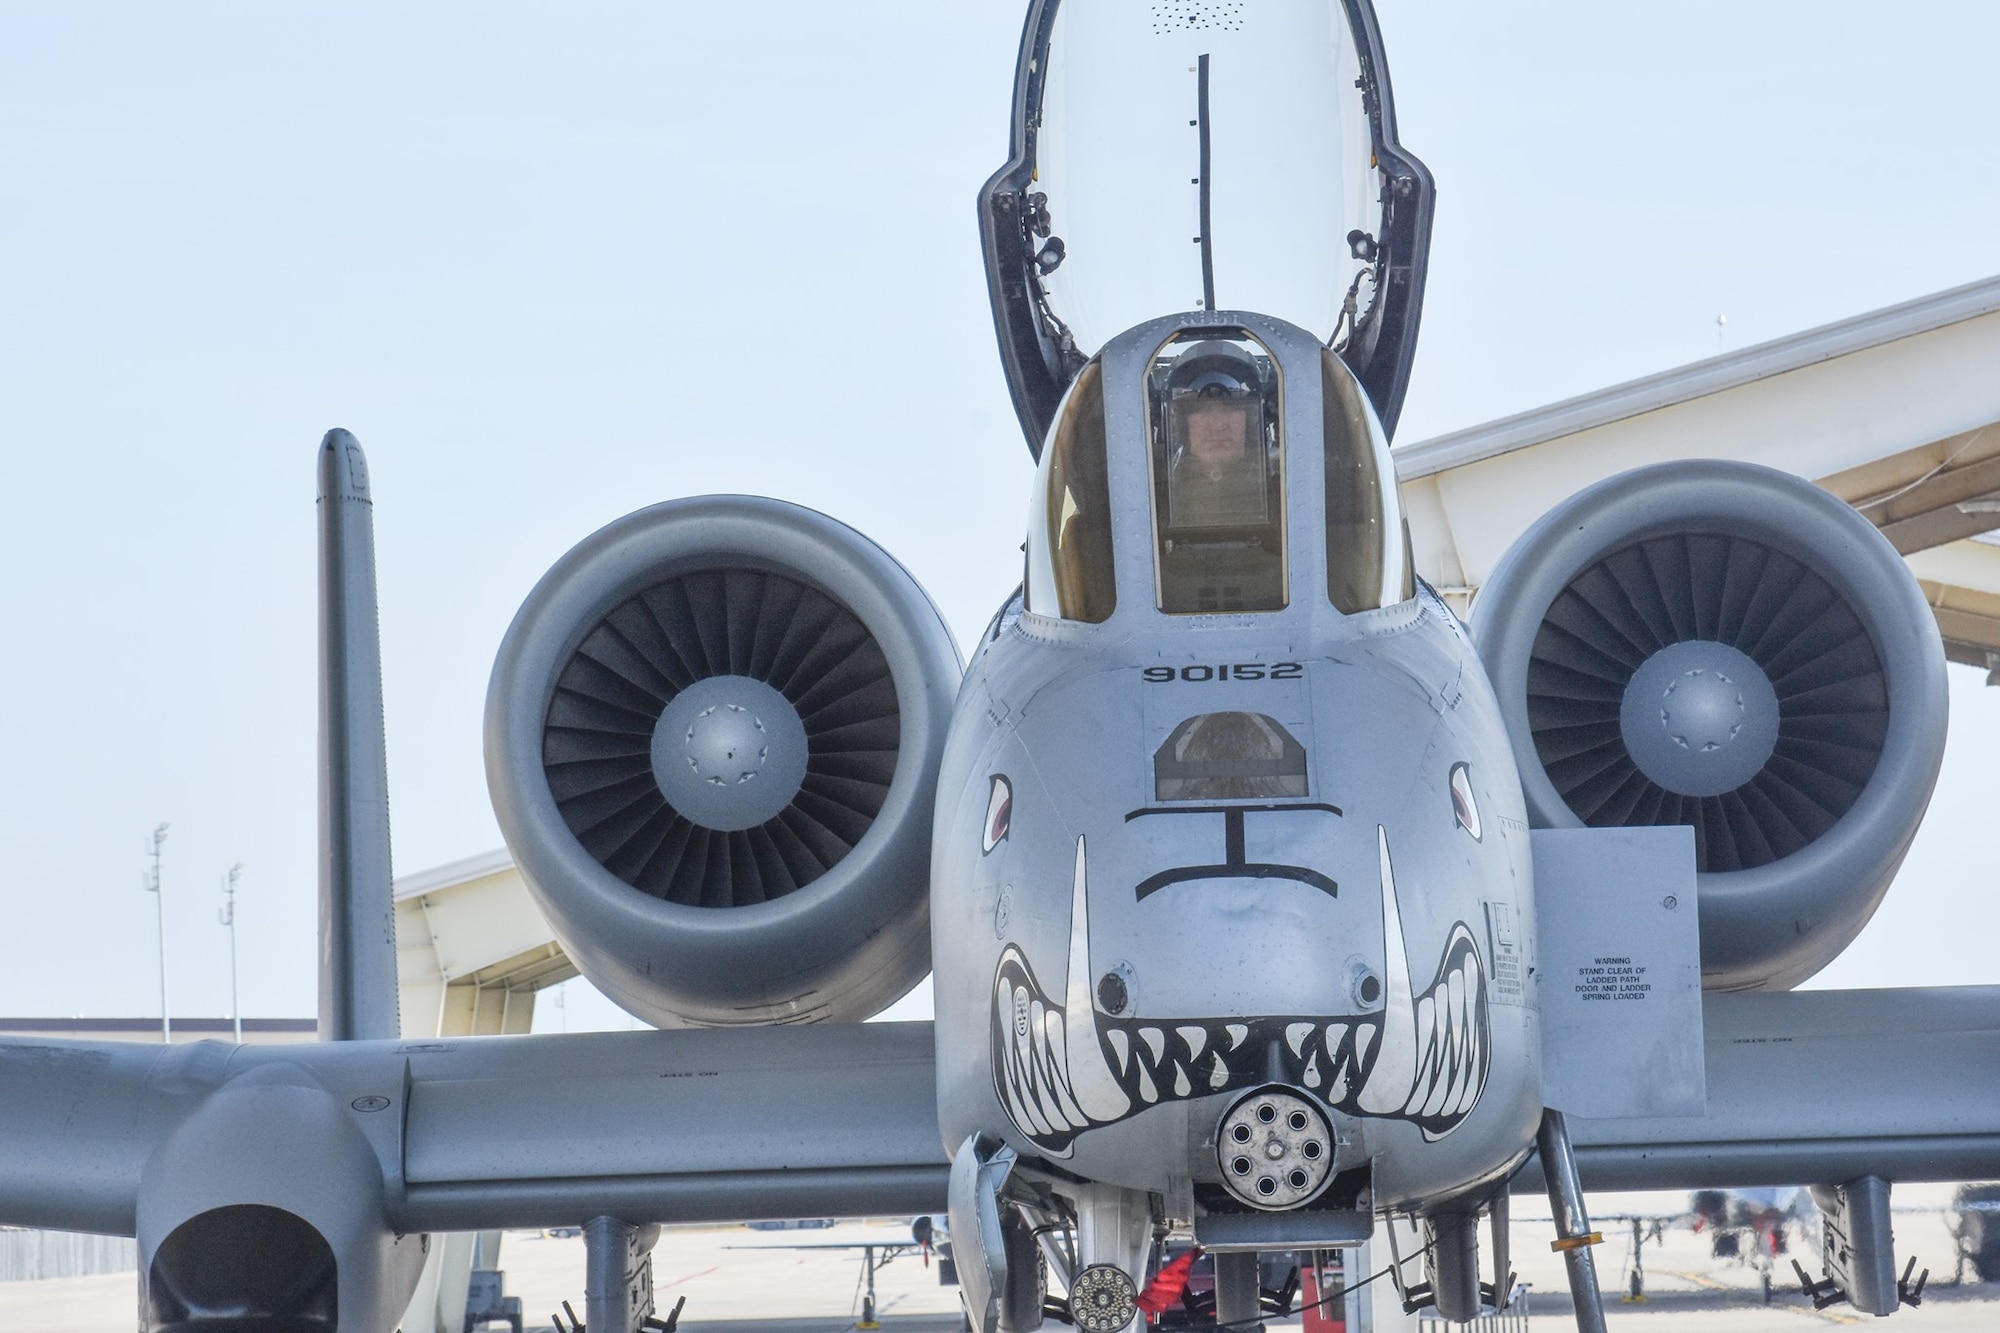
1619 948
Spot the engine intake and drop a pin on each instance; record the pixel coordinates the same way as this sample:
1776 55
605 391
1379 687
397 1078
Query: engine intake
712 740
1729 647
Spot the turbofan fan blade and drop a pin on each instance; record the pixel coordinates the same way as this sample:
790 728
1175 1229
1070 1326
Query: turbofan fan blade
598 738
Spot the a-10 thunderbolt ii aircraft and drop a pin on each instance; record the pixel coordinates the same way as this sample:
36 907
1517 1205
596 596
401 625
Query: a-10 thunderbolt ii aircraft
1243 868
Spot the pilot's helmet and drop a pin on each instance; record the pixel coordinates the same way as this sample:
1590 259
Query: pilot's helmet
1215 413
1213 370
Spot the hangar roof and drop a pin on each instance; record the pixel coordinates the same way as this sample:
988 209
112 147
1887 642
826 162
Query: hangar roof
1894 411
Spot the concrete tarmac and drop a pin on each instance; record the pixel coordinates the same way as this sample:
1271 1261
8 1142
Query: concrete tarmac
742 1281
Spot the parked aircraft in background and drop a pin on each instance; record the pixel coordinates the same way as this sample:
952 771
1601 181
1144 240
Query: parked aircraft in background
1752 1225
1971 1218
927 1235
1263 898
1756 1227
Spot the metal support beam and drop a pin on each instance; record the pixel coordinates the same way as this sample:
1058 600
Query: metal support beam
1574 1238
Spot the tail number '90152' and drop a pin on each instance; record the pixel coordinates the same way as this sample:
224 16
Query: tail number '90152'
1201 671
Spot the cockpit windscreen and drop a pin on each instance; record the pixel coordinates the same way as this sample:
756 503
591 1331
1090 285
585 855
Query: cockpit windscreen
1367 548
1069 567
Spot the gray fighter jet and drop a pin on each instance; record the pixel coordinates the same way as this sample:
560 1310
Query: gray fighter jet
1263 898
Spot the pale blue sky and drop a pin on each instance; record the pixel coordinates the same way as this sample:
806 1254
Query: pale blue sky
551 264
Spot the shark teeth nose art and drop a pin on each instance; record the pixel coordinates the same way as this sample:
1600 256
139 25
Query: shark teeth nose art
1436 1048
1061 1067
1451 1039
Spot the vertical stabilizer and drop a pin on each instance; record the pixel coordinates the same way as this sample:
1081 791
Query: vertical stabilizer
357 917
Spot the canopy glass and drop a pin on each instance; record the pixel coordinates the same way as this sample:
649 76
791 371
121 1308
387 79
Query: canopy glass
1138 97
1188 155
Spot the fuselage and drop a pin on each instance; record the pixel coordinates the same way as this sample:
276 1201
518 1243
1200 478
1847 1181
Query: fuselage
1184 855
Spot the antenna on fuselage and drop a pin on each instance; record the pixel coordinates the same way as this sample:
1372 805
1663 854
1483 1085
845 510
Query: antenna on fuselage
1204 240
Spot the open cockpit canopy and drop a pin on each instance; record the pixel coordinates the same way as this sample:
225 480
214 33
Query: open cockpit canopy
1190 155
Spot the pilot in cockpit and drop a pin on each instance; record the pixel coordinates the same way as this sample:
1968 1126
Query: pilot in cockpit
1221 506
1219 476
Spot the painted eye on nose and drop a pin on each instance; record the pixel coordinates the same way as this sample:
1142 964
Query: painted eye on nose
1464 808
999 813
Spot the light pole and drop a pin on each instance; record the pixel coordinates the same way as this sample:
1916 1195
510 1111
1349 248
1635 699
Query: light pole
152 885
227 915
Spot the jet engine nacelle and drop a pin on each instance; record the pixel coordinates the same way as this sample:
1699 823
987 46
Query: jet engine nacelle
712 740
1727 646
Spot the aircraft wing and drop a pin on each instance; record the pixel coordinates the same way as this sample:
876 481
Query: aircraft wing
496 1132
1819 1085
840 1120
